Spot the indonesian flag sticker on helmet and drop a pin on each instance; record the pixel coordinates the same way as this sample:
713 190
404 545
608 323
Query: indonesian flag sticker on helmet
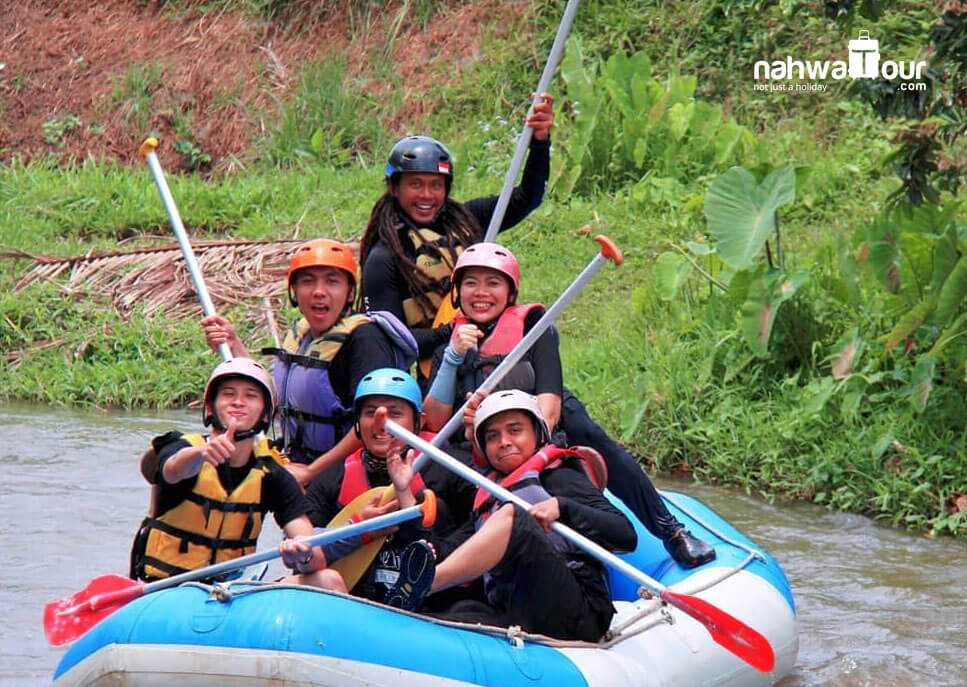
420 154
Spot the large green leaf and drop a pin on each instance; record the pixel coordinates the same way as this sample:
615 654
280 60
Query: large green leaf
679 118
911 321
945 257
922 382
671 271
953 291
845 353
883 252
741 213
759 311
957 329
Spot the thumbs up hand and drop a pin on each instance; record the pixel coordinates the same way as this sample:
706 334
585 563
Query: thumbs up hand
222 447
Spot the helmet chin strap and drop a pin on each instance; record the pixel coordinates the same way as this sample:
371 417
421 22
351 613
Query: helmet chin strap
212 420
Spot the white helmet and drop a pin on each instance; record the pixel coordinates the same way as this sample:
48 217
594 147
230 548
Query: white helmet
248 369
511 399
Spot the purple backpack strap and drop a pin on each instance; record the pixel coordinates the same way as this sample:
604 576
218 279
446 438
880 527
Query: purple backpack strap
399 334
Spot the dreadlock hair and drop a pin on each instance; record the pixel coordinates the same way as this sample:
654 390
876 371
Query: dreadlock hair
388 221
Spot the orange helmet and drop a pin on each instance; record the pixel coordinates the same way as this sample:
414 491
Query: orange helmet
322 253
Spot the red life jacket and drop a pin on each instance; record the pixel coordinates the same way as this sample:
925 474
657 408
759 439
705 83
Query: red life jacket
355 482
506 334
525 480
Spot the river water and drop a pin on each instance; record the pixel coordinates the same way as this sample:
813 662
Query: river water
876 606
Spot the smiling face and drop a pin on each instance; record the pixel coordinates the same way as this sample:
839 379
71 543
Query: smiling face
509 440
421 195
321 294
484 293
377 440
240 399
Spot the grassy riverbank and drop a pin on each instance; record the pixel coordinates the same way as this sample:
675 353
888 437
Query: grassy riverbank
659 356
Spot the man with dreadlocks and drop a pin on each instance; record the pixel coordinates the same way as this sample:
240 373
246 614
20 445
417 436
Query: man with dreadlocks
416 230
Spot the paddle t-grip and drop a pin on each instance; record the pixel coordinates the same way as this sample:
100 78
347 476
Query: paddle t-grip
609 249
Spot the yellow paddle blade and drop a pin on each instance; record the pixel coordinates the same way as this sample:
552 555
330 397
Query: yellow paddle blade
355 564
444 315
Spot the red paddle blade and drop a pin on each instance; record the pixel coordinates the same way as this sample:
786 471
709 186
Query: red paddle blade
72 616
726 630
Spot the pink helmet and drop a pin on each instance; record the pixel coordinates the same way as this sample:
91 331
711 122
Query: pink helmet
249 370
492 255
511 399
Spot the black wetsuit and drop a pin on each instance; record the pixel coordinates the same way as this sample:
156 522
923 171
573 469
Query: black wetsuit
383 286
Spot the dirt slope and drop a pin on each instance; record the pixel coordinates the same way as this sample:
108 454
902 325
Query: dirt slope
83 79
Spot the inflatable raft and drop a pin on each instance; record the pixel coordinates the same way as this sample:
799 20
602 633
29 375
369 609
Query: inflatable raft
256 633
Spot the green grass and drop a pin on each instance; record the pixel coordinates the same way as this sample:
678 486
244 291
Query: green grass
673 379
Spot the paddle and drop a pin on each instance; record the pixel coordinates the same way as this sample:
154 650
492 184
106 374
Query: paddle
523 141
609 251
146 152
70 617
726 630
353 566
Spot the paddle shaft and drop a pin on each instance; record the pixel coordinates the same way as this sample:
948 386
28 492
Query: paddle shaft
468 473
169 202
520 350
726 630
523 141
329 535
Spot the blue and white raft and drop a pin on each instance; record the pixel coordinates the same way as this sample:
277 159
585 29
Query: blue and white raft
253 634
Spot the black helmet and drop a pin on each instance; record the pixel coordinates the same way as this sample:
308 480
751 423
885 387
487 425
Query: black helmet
420 154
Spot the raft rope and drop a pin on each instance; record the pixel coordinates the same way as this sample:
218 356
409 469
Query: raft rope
634 625
225 592
753 552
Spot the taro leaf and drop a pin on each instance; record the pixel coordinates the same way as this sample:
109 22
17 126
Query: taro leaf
953 291
700 249
848 269
657 111
586 108
820 391
884 253
766 294
739 283
845 353
911 321
922 382
945 257
679 118
726 140
682 88
957 329
671 271
741 213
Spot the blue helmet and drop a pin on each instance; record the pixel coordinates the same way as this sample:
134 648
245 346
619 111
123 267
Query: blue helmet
420 154
389 381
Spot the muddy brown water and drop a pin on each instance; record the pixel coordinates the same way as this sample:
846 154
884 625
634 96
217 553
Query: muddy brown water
876 606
